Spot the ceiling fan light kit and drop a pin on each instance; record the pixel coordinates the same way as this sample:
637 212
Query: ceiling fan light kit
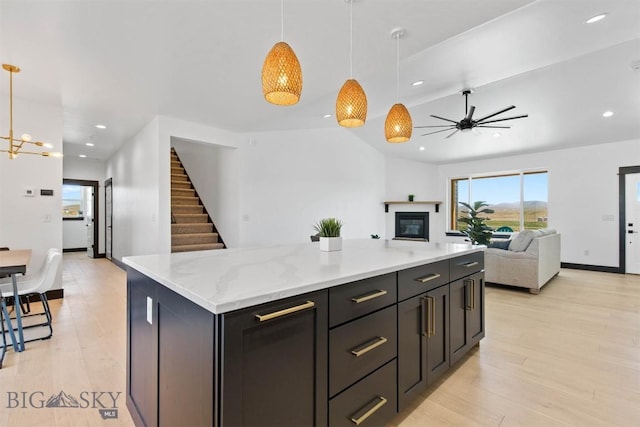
467 123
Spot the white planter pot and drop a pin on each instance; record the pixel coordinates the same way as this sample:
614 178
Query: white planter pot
330 244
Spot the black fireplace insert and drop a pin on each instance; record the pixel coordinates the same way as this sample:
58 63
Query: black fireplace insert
412 225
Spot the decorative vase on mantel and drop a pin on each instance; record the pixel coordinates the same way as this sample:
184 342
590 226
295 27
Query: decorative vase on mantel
330 244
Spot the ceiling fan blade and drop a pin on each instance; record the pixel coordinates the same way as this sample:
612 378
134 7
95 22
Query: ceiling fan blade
470 113
452 133
442 118
495 127
496 113
438 131
501 120
436 126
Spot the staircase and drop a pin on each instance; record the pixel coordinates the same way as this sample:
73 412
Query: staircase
191 226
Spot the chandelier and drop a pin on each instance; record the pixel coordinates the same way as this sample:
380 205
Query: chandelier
16 144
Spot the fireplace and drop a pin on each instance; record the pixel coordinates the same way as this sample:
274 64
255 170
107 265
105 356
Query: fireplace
412 225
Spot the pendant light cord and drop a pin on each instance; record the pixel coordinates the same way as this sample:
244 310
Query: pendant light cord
398 69
281 20
351 39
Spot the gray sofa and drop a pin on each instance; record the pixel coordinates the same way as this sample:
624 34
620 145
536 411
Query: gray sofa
530 260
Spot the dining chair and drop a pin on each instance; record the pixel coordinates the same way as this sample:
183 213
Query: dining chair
40 285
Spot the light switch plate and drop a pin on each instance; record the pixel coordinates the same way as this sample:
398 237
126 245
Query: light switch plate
29 192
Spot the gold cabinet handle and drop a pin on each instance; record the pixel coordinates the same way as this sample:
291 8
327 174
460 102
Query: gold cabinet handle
370 345
428 277
470 264
359 420
364 298
433 317
279 313
424 313
473 294
468 294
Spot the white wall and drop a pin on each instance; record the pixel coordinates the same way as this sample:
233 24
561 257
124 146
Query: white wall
31 222
404 177
290 180
214 173
90 170
583 194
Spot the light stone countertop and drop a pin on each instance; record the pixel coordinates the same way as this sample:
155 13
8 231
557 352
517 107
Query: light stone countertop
229 279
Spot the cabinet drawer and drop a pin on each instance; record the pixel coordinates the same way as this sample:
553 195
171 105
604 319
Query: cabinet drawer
360 347
371 402
356 299
465 265
416 280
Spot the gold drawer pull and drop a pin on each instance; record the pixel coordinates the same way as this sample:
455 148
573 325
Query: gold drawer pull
470 264
427 278
381 402
377 342
275 314
364 298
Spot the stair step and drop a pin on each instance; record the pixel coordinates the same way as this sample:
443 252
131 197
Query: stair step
202 247
178 171
193 238
178 200
183 192
187 209
179 178
180 185
191 228
190 218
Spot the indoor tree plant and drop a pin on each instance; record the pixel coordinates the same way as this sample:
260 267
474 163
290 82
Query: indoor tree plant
478 232
329 231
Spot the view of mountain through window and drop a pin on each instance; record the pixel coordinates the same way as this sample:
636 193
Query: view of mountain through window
519 200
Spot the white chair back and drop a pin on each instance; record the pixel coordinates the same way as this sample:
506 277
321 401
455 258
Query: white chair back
51 267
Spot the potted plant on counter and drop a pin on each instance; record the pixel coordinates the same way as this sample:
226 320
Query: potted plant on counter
329 230
411 196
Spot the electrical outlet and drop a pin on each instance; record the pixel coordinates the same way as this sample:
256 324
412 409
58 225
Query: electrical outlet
586 252
245 217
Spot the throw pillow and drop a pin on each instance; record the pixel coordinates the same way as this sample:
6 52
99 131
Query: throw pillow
522 241
499 244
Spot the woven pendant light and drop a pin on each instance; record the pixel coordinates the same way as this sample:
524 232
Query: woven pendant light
398 126
351 104
281 76
281 71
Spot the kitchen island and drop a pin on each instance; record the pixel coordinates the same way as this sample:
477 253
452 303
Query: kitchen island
290 335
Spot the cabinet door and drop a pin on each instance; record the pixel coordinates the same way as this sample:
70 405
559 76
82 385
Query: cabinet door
412 349
275 363
437 312
467 314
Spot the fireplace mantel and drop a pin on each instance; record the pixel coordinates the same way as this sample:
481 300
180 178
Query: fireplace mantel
416 202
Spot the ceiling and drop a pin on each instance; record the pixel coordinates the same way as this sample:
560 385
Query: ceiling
119 63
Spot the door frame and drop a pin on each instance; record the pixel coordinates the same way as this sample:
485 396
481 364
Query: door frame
108 183
622 204
96 205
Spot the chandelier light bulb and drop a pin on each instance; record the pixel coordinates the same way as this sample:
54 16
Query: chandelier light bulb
26 137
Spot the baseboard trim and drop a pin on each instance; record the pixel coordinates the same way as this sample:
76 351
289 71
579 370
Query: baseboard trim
74 250
119 263
101 256
589 267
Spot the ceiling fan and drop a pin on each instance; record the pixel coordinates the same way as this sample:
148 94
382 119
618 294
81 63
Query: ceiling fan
468 123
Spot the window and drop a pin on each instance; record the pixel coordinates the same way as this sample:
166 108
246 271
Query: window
518 199
72 201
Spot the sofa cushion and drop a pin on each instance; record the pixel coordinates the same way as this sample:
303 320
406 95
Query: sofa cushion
499 244
522 241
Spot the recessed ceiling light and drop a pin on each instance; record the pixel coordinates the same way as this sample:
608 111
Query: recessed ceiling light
418 83
607 114
101 126
496 135
82 155
596 18
421 148
326 116
89 144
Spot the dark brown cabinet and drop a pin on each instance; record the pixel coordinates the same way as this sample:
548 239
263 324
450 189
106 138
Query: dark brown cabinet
275 363
467 314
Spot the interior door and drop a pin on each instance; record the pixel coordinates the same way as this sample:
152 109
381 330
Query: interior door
108 189
632 226
89 220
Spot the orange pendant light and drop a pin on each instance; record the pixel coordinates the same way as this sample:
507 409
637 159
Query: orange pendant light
398 126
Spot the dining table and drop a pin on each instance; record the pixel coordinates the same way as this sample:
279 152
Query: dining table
12 263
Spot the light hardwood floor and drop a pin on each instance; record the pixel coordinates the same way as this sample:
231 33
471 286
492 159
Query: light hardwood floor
569 356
